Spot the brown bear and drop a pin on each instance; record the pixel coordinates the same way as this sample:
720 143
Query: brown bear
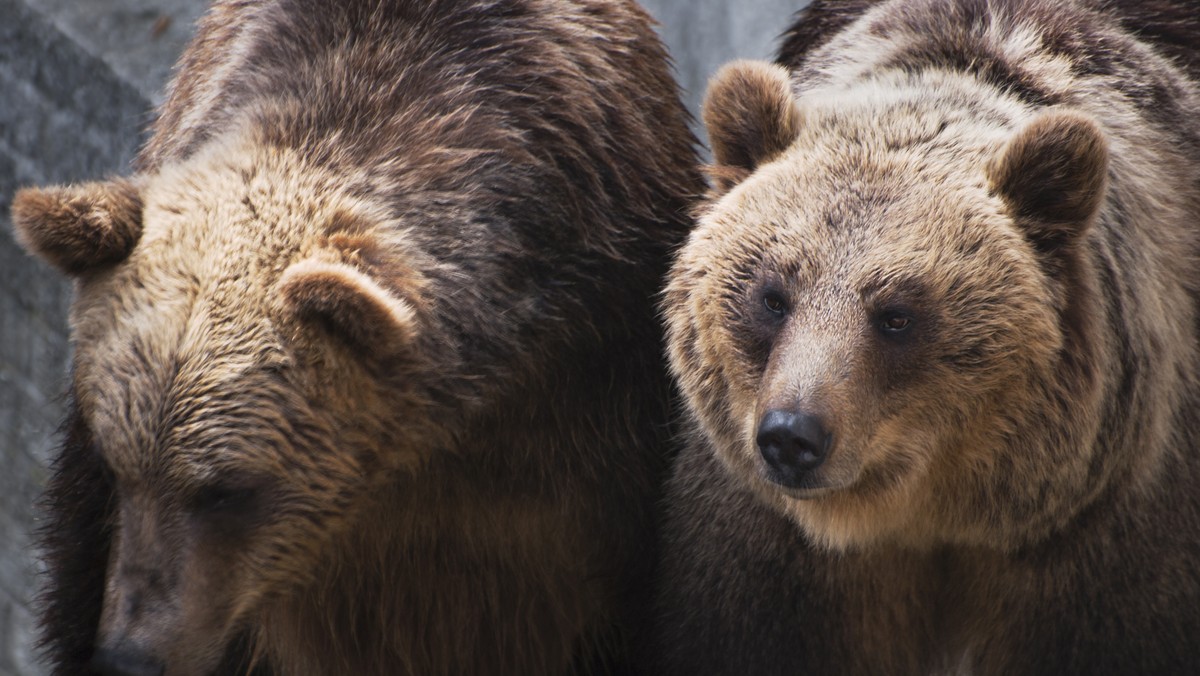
368 377
939 339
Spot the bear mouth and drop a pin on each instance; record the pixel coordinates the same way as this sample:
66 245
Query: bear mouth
808 486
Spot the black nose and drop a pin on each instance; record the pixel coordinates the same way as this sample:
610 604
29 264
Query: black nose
126 662
793 444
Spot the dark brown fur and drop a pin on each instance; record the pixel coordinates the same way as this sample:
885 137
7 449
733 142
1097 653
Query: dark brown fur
424 368
1014 482
815 24
1170 25
101 220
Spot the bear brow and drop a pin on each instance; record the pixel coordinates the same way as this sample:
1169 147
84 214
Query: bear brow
881 285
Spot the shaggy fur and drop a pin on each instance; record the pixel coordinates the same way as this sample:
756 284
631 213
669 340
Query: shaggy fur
80 227
977 264
375 383
740 143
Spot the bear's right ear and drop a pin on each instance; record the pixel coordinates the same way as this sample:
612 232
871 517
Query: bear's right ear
350 305
751 117
79 227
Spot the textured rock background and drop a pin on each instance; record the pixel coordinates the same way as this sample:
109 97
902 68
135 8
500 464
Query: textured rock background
78 81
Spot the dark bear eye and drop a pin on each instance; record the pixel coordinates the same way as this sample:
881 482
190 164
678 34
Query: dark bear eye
223 499
774 303
895 322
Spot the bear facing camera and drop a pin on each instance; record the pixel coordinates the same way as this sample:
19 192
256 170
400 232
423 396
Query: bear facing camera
938 335
367 374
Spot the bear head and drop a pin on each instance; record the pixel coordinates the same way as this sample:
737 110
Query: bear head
884 322
244 338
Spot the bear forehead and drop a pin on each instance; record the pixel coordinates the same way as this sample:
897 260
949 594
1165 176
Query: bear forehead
172 384
184 350
236 231
902 147
244 208
866 220
855 208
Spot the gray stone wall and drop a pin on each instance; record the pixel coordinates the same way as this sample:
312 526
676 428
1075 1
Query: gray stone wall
78 79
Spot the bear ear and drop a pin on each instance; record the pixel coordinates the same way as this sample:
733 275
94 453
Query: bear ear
751 117
350 305
79 227
1053 175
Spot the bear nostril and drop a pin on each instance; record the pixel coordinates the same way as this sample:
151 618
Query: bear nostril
125 662
792 443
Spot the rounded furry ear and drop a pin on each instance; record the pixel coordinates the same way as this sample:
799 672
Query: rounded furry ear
1053 175
751 117
79 227
350 305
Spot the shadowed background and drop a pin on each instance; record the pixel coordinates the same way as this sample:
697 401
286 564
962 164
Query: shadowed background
78 82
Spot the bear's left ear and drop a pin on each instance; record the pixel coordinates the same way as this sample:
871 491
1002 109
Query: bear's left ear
350 305
751 117
77 228
1053 175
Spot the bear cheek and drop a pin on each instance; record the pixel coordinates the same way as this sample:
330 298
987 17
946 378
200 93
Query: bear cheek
211 583
169 599
700 354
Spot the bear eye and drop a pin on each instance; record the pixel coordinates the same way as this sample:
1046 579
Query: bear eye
774 302
894 322
221 499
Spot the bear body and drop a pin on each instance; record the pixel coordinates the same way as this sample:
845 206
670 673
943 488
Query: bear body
367 375
937 331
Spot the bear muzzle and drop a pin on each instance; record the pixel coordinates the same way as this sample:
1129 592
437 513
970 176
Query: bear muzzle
793 444
125 661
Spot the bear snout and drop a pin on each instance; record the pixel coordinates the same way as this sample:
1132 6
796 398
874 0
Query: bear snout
126 662
793 443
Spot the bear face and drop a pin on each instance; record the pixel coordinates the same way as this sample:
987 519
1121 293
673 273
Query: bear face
228 346
884 288
955 245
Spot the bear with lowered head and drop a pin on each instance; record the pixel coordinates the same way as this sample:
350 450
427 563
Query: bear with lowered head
367 373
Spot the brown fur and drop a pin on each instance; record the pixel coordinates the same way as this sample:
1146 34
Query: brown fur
77 228
351 304
748 144
1052 175
814 25
1012 481
379 387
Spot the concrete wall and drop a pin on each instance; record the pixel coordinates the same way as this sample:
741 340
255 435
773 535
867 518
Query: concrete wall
78 79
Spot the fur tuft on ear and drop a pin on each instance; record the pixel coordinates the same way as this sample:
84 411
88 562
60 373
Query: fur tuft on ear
79 227
751 117
350 305
1053 175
